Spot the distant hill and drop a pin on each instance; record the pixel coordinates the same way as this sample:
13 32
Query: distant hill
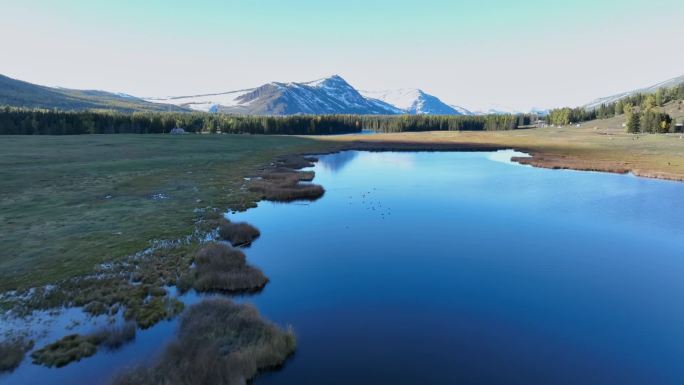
650 89
17 93
331 95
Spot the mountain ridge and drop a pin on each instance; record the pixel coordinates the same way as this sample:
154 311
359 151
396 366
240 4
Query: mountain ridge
18 93
330 95
644 90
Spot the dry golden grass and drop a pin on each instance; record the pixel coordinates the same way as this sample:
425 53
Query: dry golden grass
238 234
222 268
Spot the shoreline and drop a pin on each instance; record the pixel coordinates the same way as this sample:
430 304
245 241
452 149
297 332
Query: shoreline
279 181
578 154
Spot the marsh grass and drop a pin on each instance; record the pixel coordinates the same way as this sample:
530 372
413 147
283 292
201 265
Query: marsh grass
76 347
219 342
295 161
238 234
71 348
113 338
219 267
285 186
12 353
135 284
283 181
153 310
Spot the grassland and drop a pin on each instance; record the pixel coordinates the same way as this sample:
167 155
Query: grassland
70 203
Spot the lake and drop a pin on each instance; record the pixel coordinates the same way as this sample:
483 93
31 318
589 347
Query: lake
448 268
460 267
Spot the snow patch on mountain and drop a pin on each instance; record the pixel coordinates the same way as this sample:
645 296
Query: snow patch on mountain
461 110
205 102
415 102
404 98
330 95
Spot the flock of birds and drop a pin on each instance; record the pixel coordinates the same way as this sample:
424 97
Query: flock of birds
370 204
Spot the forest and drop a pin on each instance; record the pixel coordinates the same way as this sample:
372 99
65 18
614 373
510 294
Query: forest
640 110
18 121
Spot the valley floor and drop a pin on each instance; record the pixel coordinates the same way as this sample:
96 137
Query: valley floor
70 203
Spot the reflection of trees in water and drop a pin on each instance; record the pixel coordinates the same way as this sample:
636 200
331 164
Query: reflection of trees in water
336 162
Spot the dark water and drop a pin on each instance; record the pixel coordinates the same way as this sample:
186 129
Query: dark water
452 268
460 268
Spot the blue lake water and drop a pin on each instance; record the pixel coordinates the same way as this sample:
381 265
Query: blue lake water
460 268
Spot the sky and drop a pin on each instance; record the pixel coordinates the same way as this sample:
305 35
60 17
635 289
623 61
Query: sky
481 54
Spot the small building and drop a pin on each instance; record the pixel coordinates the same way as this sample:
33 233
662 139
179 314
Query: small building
679 127
177 131
539 123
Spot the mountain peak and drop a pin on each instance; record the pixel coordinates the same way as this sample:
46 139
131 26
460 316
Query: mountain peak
415 101
330 81
329 95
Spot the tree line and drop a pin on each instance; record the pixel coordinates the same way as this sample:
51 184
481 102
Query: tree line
405 123
20 121
639 107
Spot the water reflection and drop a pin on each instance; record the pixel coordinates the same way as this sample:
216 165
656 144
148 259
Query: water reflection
336 162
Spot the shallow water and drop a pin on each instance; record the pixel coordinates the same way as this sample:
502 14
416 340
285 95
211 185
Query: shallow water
447 268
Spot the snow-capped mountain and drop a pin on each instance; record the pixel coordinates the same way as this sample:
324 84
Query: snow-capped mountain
494 111
650 89
539 111
415 102
503 111
331 95
461 110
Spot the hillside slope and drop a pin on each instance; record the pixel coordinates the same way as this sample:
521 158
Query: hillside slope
646 90
17 93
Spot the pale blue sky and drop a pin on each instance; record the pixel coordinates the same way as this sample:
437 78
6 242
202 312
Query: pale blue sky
478 54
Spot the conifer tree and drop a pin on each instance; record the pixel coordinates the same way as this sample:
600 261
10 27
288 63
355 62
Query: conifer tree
633 119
